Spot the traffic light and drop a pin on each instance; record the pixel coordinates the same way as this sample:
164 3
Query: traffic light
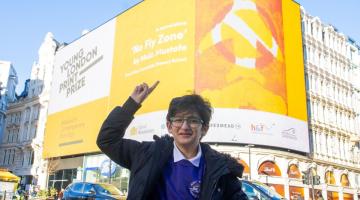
305 179
316 180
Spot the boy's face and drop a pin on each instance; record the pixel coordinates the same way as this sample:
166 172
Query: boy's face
187 128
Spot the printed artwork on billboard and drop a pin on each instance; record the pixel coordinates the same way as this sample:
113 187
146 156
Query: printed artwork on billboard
240 54
242 68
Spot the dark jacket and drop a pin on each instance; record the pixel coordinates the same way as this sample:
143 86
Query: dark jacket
146 160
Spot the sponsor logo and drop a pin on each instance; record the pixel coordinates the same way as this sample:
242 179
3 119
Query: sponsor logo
269 170
289 133
142 129
133 131
261 128
225 125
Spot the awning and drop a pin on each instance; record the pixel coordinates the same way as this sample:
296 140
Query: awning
8 177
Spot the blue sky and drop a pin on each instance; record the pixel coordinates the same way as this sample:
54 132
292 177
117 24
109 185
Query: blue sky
24 24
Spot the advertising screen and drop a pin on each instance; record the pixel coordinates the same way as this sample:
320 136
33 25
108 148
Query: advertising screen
245 57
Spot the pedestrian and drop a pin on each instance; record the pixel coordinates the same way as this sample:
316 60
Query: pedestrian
177 167
61 194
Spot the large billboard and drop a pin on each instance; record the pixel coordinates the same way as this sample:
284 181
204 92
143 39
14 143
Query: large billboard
244 56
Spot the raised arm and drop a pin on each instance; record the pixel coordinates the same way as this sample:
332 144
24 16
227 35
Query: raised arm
110 139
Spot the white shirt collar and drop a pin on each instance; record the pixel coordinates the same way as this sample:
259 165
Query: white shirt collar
179 156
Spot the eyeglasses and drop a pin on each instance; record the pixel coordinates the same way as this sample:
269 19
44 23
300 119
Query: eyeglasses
193 122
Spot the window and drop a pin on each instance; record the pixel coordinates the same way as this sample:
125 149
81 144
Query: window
40 89
22 159
17 135
26 132
77 187
36 110
4 156
88 187
13 136
34 131
12 118
8 157
13 158
8 135
62 178
27 114
31 158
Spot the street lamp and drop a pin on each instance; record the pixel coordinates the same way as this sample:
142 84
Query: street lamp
309 179
249 147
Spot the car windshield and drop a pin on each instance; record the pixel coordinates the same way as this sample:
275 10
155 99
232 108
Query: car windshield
108 189
268 190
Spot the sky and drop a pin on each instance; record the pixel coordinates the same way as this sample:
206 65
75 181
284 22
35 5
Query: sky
24 24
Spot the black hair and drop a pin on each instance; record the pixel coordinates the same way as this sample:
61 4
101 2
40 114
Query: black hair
191 102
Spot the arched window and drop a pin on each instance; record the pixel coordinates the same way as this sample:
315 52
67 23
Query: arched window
293 171
344 180
269 168
245 165
329 178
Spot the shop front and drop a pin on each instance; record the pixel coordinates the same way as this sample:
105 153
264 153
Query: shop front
333 195
99 168
317 194
295 192
345 183
62 172
270 169
8 182
347 196
330 180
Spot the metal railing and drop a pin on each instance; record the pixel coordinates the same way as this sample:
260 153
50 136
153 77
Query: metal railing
6 195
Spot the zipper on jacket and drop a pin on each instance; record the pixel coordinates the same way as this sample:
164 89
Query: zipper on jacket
213 189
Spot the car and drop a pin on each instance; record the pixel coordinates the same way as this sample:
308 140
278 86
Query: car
259 191
93 191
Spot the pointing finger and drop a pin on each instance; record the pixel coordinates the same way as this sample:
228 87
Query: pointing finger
153 86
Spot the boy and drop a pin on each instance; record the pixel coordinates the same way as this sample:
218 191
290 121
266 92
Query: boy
177 167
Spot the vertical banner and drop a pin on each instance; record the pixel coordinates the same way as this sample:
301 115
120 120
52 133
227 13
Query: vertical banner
79 93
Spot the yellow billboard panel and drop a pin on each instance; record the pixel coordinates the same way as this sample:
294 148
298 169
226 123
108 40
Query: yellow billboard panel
295 73
74 131
154 41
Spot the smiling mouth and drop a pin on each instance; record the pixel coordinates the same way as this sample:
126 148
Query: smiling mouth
185 134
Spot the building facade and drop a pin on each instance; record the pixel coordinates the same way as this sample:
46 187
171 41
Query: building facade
8 82
332 65
21 147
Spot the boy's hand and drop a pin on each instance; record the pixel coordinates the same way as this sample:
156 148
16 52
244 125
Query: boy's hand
142 91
